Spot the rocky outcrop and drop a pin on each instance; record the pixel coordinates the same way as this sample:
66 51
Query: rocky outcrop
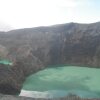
9 82
11 97
3 52
71 97
13 76
27 65
72 43
35 48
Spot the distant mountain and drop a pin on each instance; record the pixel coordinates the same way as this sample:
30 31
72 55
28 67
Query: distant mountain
71 43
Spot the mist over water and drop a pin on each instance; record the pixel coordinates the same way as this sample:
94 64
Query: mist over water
5 27
62 81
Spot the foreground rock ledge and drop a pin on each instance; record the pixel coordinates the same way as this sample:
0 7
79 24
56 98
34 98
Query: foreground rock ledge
10 97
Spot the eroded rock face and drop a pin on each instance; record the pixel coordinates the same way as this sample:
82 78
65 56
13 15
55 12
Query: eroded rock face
8 82
13 76
3 52
27 65
72 43
33 49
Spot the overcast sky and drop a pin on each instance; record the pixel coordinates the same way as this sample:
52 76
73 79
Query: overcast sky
32 13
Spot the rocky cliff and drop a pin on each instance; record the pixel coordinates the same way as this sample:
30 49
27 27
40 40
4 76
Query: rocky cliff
11 80
34 48
71 43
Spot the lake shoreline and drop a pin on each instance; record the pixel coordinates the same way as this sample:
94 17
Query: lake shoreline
79 79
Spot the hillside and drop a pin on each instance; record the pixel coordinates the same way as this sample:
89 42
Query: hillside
33 49
71 43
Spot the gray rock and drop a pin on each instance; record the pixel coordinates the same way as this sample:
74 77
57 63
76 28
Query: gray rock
71 97
8 82
34 49
72 43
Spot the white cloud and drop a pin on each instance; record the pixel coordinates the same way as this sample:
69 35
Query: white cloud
5 26
30 13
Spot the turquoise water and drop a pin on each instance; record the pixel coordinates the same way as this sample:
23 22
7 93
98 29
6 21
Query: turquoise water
62 81
6 62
